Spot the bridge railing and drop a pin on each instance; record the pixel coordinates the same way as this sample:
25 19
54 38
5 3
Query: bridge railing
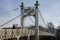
11 33
47 30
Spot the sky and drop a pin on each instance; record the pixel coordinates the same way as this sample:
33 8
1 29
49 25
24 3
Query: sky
50 9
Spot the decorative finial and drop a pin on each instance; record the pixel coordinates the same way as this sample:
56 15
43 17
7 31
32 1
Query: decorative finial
22 3
22 6
36 5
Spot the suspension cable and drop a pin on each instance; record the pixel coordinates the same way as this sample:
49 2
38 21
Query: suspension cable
14 18
42 18
31 20
9 11
9 21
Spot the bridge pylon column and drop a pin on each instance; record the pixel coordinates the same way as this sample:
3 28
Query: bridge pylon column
36 22
22 18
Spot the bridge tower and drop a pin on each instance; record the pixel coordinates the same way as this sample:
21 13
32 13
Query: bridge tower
29 11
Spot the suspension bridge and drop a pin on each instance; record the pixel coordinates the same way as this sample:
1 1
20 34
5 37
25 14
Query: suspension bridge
36 33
